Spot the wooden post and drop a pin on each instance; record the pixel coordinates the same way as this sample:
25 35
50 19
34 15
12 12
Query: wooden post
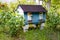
42 26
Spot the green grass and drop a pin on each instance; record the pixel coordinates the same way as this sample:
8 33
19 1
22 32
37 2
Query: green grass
3 36
35 34
44 34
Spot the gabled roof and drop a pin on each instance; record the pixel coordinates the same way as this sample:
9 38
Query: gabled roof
32 8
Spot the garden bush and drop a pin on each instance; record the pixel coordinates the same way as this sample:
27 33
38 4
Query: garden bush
10 21
53 19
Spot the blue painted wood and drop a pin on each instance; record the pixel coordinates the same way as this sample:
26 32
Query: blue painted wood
26 18
44 15
35 17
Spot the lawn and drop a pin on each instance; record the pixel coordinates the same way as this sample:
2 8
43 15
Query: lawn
34 34
42 35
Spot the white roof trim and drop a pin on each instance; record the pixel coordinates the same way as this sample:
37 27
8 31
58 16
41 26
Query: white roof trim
20 10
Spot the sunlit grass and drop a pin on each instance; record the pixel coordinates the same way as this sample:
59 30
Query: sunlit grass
3 36
34 34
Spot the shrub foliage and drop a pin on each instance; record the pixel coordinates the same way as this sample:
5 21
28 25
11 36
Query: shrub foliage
10 22
53 19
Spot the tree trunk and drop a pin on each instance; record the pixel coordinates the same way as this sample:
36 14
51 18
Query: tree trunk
48 4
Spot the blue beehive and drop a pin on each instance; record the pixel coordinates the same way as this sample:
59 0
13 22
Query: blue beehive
33 13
